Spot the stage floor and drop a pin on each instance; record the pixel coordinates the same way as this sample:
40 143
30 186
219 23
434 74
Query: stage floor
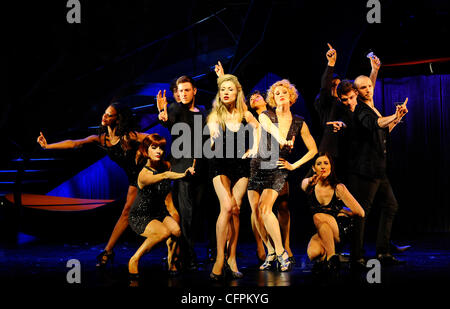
35 262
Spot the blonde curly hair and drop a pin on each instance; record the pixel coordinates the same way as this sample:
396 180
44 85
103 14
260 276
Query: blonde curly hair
293 93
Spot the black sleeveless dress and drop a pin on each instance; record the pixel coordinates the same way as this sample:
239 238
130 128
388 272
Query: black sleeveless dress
333 208
125 158
232 146
264 172
149 205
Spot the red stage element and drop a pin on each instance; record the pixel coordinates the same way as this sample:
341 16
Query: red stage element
417 62
57 203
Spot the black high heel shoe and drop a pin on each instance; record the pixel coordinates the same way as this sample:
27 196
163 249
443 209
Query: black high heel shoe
284 264
176 272
104 258
231 273
133 280
270 262
215 277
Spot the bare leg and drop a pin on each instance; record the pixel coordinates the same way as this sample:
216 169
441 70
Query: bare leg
238 192
271 224
328 232
284 217
253 197
174 214
315 248
222 187
155 232
172 242
122 223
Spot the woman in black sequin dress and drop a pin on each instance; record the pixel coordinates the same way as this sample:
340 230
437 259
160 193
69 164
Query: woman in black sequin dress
229 168
326 198
148 214
120 140
269 170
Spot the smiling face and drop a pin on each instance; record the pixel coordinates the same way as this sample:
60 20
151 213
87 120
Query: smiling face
186 92
109 117
155 152
322 166
228 92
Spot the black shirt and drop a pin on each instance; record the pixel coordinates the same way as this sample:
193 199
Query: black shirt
186 120
329 108
369 148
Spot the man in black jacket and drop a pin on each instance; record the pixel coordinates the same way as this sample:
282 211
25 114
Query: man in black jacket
185 121
367 174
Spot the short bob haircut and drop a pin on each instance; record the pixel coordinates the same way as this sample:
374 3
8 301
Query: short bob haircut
156 140
293 93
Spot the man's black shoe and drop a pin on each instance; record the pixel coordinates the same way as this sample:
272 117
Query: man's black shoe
398 249
358 265
388 259
192 266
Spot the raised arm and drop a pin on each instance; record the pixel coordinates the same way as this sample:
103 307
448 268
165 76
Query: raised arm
320 103
161 104
218 68
67 144
375 64
328 74
345 196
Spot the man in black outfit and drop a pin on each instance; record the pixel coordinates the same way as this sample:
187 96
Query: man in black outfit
185 121
367 172
333 113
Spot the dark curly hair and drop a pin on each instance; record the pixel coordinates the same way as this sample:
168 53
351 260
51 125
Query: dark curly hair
125 123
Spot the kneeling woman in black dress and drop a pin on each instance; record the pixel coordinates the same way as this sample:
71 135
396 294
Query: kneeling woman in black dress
148 214
326 199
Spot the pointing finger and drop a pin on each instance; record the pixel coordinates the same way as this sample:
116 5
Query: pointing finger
329 46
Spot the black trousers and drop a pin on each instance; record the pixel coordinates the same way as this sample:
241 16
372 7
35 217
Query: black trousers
365 190
189 194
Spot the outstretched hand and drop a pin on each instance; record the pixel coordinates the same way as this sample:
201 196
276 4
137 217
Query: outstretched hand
42 141
337 125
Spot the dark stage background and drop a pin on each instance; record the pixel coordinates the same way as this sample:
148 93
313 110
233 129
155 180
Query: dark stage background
62 76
